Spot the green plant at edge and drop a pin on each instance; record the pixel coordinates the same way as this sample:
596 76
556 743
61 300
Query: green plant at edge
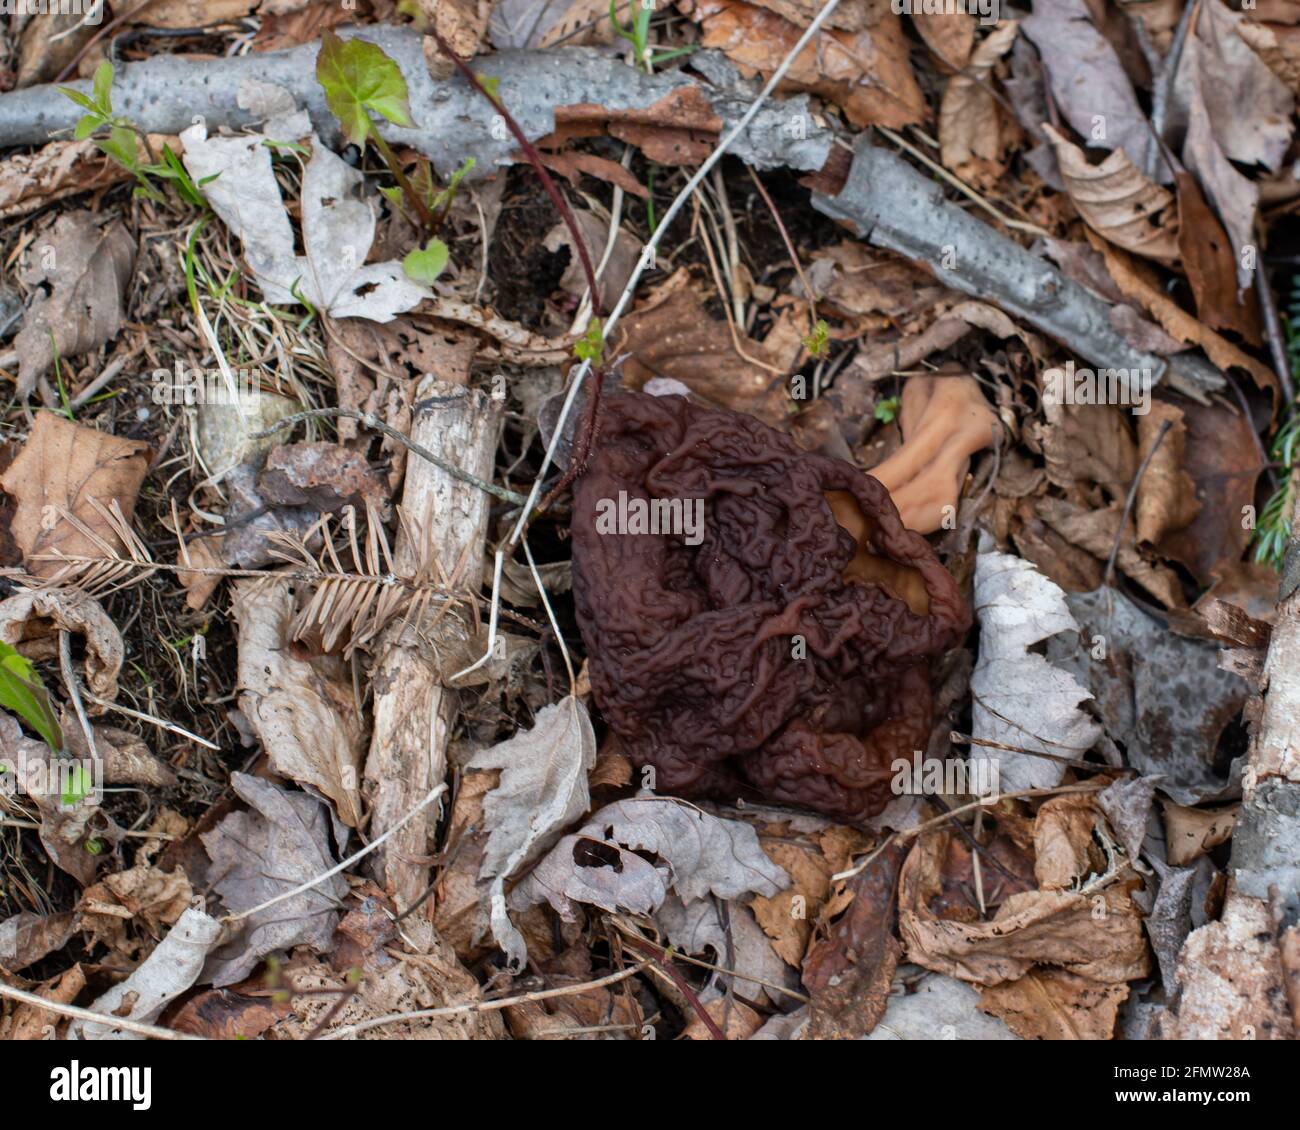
120 144
637 33
22 691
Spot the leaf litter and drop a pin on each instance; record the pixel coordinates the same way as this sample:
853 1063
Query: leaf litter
223 594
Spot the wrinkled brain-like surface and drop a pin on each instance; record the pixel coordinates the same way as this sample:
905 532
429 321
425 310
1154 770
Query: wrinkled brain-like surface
695 650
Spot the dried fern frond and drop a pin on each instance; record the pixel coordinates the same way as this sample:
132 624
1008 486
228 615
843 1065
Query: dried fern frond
112 569
355 604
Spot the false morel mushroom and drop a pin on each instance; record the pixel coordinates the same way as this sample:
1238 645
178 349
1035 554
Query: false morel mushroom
758 622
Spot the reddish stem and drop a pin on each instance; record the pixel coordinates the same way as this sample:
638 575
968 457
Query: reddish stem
534 159
660 957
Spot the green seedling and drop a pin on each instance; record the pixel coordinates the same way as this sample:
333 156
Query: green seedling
120 142
637 33
591 346
359 79
22 691
1274 527
819 341
887 410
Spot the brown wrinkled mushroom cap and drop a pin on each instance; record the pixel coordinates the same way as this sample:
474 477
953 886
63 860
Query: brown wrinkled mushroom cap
692 647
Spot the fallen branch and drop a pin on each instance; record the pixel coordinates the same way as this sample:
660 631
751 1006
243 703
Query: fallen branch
167 94
891 205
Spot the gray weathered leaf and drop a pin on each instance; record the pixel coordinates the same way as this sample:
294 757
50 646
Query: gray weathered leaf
698 855
543 789
282 842
1019 698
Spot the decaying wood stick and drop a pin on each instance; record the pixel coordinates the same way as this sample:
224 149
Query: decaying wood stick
1240 977
895 207
168 93
445 518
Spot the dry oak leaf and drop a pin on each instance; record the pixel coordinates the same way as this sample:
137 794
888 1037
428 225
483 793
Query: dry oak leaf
866 72
80 275
29 181
1118 202
972 135
1095 931
27 1022
301 706
64 469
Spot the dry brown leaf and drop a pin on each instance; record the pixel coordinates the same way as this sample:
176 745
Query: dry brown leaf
65 469
1135 282
1166 499
1096 933
80 276
850 971
301 706
1118 202
1191 832
671 335
950 35
1211 265
31 621
1094 531
1054 1004
146 897
429 977
866 72
28 1022
26 937
49 43
972 136
462 24
1063 848
29 181
204 13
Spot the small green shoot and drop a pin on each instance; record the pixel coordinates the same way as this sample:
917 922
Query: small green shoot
121 143
76 788
887 410
22 691
359 79
424 264
818 342
591 346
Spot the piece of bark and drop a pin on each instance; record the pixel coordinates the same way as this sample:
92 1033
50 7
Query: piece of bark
162 95
444 528
1234 974
893 206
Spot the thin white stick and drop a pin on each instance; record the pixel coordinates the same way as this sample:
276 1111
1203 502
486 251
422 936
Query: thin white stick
647 257
484 1006
430 797
74 1011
